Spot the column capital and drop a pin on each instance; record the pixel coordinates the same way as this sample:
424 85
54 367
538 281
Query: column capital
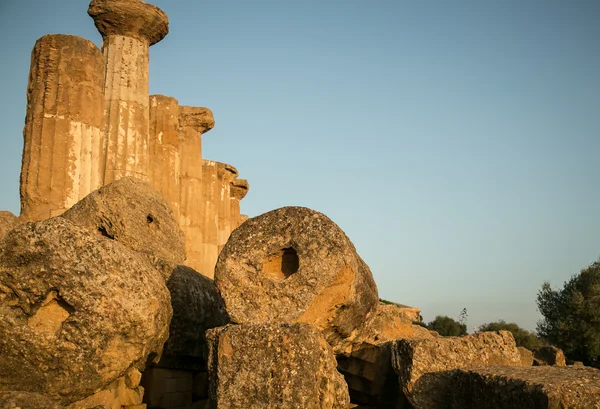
226 171
198 118
239 188
129 18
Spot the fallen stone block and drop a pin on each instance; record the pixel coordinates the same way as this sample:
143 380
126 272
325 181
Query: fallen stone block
295 265
548 355
273 366
544 387
77 311
132 213
197 307
526 356
424 365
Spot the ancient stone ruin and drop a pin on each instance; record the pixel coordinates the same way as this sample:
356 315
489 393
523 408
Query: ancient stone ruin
107 297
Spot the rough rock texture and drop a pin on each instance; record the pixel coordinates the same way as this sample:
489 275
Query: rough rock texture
63 125
526 387
423 365
548 355
26 400
197 307
295 265
77 310
129 18
125 392
7 222
526 356
273 366
132 213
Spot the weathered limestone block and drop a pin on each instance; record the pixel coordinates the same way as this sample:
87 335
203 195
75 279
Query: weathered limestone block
526 387
7 222
273 366
296 265
124 392
77 310
424 365
26 400
526 356
238 190
209 248
193 123
131 212
62 134
548 355
197 307
164 149
128 28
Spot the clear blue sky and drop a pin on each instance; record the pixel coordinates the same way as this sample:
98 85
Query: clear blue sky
456 142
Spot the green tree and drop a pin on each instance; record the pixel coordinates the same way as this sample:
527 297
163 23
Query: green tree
447 327
523 337
572 315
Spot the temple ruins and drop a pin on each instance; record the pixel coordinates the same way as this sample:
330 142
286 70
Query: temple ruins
89 112
131 279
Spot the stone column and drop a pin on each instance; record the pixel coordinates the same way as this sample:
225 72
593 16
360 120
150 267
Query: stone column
225 175
238 190
128 28
209 248
193 122
62 134
164 149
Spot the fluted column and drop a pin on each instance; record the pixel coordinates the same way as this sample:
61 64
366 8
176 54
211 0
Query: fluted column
238 190
225 175
128 28
62 134
164 149
193 123
209 248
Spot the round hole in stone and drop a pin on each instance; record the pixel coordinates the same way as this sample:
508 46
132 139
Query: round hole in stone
281 264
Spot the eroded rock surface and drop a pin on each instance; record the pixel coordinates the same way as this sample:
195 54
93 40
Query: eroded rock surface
526 387
295 265
273 366
26 400
548 355
424 365
132 213
7 222
197 307
77 310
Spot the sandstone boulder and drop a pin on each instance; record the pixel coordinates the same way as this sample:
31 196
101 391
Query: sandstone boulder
526 387
131 212
273 366
26 400
548 355
295 265
7 222
77 310
424 365
197 307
